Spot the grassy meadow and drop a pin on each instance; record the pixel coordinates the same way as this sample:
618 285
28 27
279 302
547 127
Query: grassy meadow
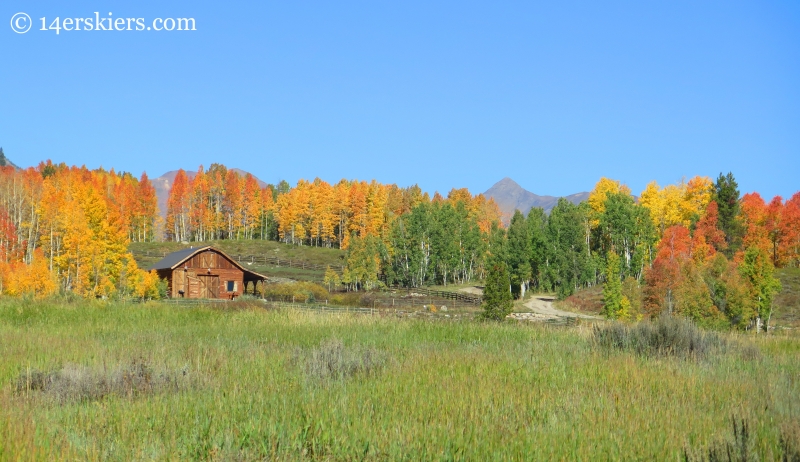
82 380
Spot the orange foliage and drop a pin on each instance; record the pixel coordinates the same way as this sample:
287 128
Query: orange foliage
708 238
35 279
754 215
70 226
315 213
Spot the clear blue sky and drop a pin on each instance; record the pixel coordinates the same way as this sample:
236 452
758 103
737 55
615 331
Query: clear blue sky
443 94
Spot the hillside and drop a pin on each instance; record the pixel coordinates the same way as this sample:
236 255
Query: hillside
510 196
787 302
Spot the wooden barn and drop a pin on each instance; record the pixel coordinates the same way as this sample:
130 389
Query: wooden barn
206 272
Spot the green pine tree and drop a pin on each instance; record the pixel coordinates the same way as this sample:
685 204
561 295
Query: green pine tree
726 194
497 301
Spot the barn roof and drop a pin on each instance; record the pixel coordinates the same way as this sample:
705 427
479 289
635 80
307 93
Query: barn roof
174 259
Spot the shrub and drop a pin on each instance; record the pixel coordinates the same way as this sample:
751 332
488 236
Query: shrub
664 336
301 292
333 361
77 383
347 299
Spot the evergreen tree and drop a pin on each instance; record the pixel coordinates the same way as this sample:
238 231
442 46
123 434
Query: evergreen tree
497 300
726 194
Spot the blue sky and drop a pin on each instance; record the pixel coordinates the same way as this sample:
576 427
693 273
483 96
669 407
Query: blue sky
442 94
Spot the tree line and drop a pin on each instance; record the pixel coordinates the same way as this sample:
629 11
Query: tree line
695 249
220 203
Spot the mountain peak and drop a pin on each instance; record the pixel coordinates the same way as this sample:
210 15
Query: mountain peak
505 182
510 196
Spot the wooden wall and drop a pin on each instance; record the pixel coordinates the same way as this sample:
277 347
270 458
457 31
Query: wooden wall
206 275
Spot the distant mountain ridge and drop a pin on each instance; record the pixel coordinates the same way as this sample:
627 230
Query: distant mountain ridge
4 161
163 184
510 196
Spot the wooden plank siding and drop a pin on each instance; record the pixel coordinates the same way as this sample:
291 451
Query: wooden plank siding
205 275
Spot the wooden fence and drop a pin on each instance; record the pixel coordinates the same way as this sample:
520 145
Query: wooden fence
460 297
269 304
320 307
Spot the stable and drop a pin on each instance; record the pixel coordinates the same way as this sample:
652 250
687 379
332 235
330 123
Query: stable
205 272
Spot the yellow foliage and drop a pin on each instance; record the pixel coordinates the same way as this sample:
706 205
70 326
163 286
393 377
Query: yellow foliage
598 196
140 283
34 279
624 312
677 204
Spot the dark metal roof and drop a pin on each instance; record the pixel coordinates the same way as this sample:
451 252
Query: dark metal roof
175 258
172 260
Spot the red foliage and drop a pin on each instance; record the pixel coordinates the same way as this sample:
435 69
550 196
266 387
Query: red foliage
708 239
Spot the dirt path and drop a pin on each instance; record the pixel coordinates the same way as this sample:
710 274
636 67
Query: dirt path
542 309
475 290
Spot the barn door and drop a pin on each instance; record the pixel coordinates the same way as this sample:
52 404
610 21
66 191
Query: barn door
179 283
213 290
204 280
209 286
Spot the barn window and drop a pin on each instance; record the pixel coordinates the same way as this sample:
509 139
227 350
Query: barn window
231 286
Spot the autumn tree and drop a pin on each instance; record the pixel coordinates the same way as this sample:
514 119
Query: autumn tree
666 275
708 239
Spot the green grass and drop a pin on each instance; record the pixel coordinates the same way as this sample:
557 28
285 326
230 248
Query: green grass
410 390
314 255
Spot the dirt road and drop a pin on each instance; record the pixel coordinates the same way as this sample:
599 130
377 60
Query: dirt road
542 309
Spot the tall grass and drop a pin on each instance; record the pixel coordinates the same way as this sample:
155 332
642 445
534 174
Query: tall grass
400 389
